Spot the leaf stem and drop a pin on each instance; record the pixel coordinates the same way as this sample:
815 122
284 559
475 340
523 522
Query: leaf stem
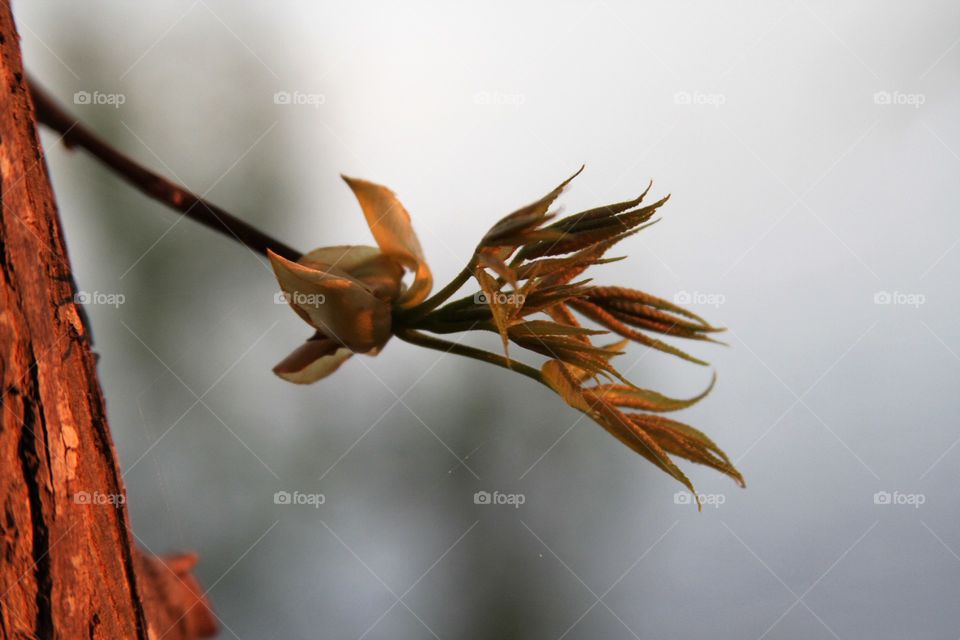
437 344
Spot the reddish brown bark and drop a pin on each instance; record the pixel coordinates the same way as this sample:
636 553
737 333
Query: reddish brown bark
69 567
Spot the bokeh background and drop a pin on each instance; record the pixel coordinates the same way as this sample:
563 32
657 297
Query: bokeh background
812 158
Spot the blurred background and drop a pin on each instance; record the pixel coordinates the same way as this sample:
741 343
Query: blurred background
812 158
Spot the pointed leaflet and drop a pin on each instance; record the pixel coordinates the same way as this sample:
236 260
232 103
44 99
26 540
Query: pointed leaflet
604 318
635 398
667 328
488 259
620 425
616 423
688 432
547 328
562 270
571 351
580 375
547 296
687 442
498 305
510 229
625 295
335 304
581 219
582 225
631 312
391 227
598 230
562 314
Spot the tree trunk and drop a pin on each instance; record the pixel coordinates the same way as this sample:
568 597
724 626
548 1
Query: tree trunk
69 567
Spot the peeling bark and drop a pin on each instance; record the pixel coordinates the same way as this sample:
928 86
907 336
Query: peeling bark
69 567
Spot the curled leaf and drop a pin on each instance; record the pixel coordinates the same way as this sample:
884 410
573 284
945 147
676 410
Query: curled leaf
334 303
382 275
313 360
391 227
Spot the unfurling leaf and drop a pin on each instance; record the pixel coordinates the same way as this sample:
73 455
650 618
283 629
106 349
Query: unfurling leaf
585 218
580 234
393 231
547 328
604 318
526 267
509 231
614 421
335 304
685 441
314 360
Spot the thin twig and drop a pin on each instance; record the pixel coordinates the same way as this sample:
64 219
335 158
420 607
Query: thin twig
74 134
418 312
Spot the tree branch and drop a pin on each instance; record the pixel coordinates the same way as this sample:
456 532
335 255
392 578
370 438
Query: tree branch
75 134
